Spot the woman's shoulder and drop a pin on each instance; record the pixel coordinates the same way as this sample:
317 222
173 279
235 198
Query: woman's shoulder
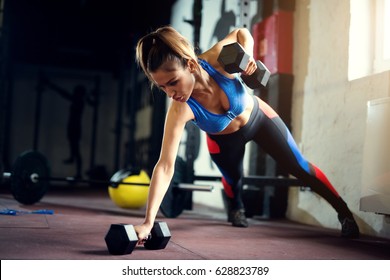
211 57
180 111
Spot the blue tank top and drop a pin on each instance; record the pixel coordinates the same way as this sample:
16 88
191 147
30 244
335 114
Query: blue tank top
236 94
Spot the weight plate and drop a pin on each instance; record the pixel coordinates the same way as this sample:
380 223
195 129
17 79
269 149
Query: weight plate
175 199
22 188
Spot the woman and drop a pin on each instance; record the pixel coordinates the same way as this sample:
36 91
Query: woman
219 104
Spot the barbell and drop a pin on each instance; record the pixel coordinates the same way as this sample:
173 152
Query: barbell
30 177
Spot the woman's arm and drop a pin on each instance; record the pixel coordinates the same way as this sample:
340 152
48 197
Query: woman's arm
177 116
243 37
239 35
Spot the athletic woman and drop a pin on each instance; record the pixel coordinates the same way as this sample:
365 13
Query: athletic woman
219 104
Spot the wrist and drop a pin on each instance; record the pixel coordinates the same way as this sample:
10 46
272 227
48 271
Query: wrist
149 223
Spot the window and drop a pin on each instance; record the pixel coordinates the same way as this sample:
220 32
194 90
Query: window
382 59
369 38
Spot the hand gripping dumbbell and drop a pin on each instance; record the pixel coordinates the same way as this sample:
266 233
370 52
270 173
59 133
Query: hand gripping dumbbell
234 60
121 239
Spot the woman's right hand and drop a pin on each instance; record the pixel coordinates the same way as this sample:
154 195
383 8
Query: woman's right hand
143 232
250 67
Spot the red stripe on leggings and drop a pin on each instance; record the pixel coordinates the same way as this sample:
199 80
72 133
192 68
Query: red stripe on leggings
321 176
213 146
268 111
227 188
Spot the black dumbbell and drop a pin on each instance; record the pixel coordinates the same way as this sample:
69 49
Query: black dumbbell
121 239
234 60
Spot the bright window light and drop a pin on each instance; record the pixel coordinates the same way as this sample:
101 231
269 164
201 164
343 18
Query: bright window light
386 29
360 60
369 38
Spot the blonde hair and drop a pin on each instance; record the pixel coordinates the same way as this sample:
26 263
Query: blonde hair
164 44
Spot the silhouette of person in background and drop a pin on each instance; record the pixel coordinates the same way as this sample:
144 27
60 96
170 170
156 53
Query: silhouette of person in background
77 101
226 20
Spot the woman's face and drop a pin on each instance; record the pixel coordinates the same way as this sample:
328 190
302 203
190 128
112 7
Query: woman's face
175 80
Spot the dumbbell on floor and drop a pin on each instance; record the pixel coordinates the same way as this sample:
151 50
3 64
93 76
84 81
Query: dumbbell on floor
234 60
121 239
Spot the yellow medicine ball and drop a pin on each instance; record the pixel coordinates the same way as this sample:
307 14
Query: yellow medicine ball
129 196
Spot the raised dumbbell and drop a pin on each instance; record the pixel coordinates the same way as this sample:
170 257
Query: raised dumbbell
121 239
234 60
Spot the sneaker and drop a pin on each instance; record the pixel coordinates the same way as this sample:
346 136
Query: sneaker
238 218
349 228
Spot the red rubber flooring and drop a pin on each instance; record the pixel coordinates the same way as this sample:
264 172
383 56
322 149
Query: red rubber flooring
82 217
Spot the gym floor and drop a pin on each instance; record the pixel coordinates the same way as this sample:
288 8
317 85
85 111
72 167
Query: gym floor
82 217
